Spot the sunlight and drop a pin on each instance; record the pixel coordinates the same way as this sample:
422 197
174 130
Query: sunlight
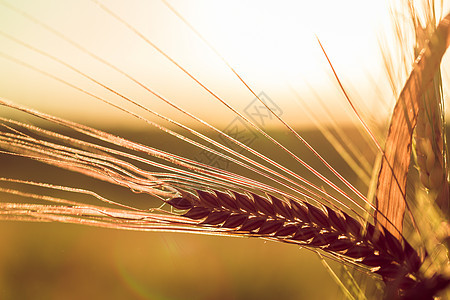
273 47
282 39
268 44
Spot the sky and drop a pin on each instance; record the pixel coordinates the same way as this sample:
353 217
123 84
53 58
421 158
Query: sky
50 51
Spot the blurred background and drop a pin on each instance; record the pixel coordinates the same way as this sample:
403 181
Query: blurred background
273 47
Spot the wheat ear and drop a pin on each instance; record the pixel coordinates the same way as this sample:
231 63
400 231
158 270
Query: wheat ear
331 231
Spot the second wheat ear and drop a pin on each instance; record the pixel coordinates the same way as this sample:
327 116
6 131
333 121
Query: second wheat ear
391 191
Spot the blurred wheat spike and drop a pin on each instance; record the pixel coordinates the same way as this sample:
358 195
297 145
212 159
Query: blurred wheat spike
409 111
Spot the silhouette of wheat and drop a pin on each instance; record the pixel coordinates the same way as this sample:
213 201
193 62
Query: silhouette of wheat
205 198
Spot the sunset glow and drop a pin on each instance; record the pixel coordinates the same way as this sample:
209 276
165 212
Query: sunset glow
274 48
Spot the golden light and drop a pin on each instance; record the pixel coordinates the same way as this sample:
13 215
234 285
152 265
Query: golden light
272 46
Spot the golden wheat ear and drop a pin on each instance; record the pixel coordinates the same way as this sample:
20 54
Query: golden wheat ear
429 135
